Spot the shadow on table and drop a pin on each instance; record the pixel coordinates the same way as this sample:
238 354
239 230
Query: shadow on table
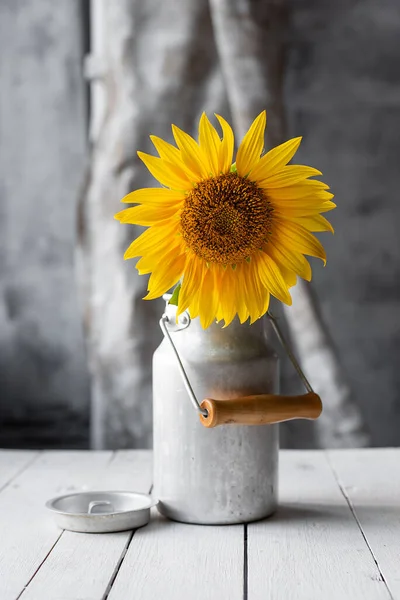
301 512
310 512
285 513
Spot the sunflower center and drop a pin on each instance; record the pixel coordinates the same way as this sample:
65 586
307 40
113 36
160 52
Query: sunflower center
226 219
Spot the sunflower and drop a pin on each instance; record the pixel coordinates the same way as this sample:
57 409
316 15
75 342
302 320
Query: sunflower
231 234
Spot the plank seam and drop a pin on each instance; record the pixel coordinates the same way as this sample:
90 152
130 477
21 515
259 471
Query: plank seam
245 564
20 471
120 561
353 512
111 459
59 537
118 566
40 566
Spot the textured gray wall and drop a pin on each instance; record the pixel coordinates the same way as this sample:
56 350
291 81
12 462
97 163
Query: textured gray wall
343 94
43 378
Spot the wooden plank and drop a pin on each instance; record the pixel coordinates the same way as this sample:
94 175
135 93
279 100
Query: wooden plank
370 480
13 462
27 531
172 560
312 548
83 565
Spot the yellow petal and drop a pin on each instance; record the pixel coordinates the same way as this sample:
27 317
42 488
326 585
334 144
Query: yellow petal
242 311
227 294
303 189
147 215
302 208
314 223
173 155
295 237
154 196
328 206
240 303
289 276
194 304
208 298
231 296
251 147
167 151
263 295
192 281
151 238
293 261
226 147
194 307
271 278
165 277
192 155
165 172
167 248
275 159
210 143
289 176
255 293
267 299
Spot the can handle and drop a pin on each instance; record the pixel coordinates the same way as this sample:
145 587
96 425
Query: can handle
262 409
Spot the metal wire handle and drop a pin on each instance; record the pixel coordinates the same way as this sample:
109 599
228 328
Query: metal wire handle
289 352
184 322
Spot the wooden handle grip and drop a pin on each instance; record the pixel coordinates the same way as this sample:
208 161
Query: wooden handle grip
262 409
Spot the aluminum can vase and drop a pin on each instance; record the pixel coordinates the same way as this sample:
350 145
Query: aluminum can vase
227 474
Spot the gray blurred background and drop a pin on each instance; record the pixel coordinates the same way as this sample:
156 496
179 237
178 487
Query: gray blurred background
70 124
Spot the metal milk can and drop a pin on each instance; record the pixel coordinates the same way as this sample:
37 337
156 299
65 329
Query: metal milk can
216 460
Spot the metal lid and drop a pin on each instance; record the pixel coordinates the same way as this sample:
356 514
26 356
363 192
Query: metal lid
101 512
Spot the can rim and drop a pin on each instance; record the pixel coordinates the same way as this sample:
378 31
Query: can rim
50 504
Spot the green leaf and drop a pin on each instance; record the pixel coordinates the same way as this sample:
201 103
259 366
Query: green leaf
175 295
233 168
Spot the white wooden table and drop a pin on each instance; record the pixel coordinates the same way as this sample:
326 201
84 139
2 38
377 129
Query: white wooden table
335 536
